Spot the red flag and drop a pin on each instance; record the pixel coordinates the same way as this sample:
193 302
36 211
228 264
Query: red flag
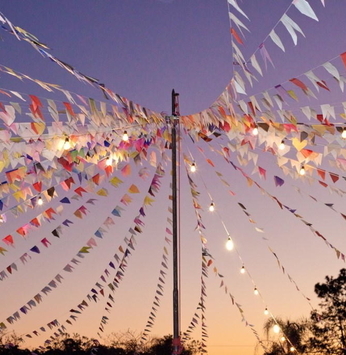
343 58
235 34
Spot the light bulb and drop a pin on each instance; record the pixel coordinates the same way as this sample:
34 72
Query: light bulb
229 244
193 167
266 312
282 145
255 291
242 270
212 207
125 136
108 161
302 171
343 133
255 131
292 349
282 339
67 144
276 329
40 201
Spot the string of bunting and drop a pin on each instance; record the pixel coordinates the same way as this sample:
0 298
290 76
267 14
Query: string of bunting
94 130
238 58
138 224
282 206
293 173
75 261
191 326
159 292
48 215
94 294
260 230
20 33
244 209
206 262
296 145
46 242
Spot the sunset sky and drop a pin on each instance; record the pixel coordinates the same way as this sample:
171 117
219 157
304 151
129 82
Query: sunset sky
142 49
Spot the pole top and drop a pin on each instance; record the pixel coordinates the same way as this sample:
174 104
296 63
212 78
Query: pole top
175 103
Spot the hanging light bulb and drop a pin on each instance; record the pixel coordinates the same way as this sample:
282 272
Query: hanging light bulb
302 171
282 339
229 244
212 207
343 133
255 291
67 144
108 161
193 167
266 312
125 136
40 201
276 329
242 270
282 145
292 349
255 131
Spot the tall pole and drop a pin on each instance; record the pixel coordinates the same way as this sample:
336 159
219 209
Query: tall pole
176 301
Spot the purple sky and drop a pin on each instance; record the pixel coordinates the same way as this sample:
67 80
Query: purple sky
142 49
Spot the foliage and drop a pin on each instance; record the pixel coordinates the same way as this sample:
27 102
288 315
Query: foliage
323 334
123 343
292 336
329 325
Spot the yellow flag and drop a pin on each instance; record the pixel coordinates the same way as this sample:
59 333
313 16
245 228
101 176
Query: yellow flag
298 144
102 192
115 181
18 195
148 200
249 181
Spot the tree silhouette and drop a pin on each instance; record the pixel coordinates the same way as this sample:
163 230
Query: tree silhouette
291 337
329 325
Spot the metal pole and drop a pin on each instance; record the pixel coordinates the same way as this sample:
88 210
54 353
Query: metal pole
176 300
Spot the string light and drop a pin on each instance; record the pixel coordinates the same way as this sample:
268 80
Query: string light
242 270
67 144
108 161
255 131
302 171
40 201
193 167
266 312
343 133
255 291
292 349
282 145
229 243
212 207
276 329
283 339
125 136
